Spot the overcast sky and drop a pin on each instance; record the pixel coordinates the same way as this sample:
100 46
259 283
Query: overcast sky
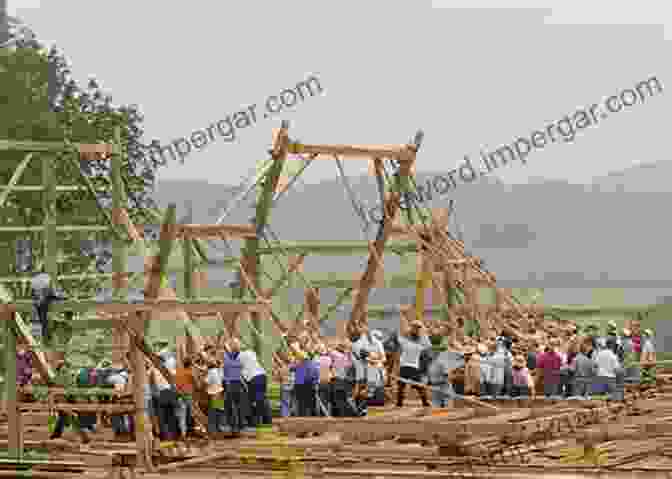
472 79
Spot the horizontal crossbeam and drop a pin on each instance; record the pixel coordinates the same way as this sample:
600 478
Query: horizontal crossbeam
56 146
399 152
163 306
25 229
334 248
41 188
208 231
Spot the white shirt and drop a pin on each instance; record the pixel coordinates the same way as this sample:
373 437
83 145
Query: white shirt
607 363
372 346
648 347
410 350
215 376
250 365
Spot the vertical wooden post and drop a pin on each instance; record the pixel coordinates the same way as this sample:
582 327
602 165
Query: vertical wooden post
143 429
50 239
187 252
120 338
15 441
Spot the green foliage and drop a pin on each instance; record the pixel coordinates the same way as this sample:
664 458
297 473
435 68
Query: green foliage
34 109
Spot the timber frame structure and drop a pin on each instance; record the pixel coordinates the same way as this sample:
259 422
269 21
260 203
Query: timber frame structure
442 263
134 326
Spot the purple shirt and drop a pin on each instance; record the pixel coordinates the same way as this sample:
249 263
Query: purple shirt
307 372
24 368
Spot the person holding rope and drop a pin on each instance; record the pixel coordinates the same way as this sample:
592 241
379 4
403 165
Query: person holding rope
256 380
234 399
411 347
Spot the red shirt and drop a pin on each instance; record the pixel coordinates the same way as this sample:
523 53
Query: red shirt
184 380
550 362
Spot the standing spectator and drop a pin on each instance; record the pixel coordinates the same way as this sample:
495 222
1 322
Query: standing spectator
485 371
234 405
375 374
166 400
522 381
607 366
256 380
630 360
409 361
305 385
184 381
501 360
566 371
342 366
648 359
584 371
121 424
369 356
325 393
550 363
439 373
216 410
287 396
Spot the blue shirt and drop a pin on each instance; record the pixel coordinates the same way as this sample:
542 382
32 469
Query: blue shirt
232 368
307 372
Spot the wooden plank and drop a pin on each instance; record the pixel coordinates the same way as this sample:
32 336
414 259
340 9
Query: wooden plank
373 151
54 146
14 418
162 306
37 229
208 231
80 407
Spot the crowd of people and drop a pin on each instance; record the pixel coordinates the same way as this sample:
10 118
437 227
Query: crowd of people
343 377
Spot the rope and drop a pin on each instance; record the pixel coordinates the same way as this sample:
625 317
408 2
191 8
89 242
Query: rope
294 179
356 204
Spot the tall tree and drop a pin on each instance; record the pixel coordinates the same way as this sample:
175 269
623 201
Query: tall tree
40 101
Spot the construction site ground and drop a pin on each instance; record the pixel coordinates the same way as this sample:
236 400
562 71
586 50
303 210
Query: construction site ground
520 439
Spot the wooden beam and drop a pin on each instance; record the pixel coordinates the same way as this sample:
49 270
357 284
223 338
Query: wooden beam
157 264
120 217
165 306
56 146
399 152
13 415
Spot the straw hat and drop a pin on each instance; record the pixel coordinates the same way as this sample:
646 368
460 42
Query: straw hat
469 349
518 361
214 389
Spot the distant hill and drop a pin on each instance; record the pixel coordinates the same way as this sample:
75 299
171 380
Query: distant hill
551 234
646 177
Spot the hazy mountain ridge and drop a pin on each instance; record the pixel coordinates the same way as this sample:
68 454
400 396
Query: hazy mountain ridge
555 232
